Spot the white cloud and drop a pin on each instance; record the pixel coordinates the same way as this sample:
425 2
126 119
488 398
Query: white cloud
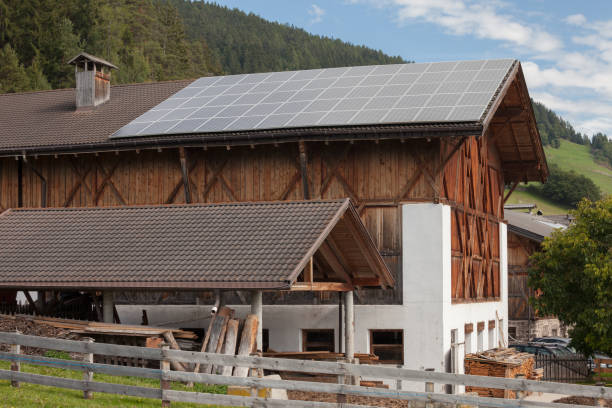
317 14
576 19
474 17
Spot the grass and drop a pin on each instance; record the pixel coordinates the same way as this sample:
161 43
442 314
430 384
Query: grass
30 395
548 207
572 156
569 156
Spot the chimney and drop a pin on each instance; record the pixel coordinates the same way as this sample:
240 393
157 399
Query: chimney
92 80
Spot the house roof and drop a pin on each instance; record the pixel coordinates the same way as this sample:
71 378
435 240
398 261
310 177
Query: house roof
442 92
36 121
187 247
454 99
534 227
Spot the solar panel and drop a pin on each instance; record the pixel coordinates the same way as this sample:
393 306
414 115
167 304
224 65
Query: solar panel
374 95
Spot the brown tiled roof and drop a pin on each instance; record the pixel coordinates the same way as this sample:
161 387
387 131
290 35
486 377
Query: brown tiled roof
49 118
242 245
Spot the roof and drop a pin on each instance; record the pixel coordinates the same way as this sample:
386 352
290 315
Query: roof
85 56
188 247
534 227
49 119
492 99
442 92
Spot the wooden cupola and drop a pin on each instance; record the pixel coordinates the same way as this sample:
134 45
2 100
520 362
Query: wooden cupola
92 80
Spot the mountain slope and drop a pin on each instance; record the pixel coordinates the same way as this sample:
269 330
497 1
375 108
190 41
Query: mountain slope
245 43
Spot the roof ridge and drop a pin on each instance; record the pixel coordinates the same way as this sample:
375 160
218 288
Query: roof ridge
175 206
8 94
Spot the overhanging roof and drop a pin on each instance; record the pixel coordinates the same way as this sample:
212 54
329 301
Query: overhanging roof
88 57
183 247
533 227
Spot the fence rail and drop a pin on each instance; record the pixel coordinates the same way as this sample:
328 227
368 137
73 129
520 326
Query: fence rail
602 366
276 364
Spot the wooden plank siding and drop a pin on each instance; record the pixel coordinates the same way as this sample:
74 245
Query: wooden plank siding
377 176
519 251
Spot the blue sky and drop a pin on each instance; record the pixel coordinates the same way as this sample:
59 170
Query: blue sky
565 47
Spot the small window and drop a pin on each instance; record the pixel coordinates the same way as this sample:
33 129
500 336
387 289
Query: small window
388 345
318 340
265 334
554 332
512 332
480 337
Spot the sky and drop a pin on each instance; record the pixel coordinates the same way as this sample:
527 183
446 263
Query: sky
565 46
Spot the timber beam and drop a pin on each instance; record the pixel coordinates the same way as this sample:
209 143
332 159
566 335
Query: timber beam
321 287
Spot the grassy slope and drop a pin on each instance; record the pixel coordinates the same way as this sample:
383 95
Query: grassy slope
569 156
30 395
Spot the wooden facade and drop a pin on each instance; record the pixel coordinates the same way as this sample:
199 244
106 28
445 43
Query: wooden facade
379 172
519 251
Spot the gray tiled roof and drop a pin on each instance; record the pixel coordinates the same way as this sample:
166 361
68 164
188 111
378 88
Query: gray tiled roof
531 226
245 245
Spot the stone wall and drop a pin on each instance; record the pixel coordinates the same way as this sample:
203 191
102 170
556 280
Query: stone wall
524 330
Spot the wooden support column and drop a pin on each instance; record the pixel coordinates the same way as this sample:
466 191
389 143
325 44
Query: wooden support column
304 169
257 310
349 326
185 174
107 306
31 302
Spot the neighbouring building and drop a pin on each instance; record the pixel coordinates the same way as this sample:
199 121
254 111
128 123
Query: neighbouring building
423 152
526 232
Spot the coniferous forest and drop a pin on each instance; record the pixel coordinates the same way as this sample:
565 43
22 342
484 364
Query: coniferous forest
155 40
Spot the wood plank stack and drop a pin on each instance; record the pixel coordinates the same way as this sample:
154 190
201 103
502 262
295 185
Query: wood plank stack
500 362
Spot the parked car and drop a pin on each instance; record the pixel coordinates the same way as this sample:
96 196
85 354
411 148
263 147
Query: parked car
554 340
542 349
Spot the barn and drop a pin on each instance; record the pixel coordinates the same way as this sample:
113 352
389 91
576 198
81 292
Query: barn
421 151
526 232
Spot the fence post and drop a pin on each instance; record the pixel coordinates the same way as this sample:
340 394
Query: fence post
16 364
429 387
164 365
88 375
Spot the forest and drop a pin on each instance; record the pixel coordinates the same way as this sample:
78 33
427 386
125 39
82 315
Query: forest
155 40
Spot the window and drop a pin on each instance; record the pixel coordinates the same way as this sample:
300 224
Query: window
512 332
554 332
318 340
468 329
265 334
491 334
480 337
388 345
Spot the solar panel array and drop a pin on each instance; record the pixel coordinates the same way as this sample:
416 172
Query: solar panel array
362 95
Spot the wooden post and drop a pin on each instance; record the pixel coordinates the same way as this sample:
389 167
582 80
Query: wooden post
107 306
257 310
16 364
88 375
164 365
349 326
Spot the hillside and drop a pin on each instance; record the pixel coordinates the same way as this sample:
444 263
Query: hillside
244 43
569 156
155 40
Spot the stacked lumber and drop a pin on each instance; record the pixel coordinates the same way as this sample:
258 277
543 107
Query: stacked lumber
87 328
322 356
500 362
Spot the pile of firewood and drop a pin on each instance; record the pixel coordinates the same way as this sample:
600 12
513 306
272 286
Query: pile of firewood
500 362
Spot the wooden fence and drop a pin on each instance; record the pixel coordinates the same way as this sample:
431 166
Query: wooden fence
570 368
340 369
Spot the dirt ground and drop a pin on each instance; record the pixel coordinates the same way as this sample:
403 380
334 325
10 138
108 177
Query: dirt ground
582 401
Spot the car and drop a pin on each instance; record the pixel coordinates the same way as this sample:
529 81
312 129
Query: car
554 340
540 349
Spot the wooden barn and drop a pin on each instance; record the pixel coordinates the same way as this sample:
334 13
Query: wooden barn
526 232
423 152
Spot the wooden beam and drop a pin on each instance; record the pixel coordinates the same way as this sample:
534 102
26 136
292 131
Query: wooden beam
31 301
516 183
308 271
375 281
185 174
321 287
331 258
304 169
